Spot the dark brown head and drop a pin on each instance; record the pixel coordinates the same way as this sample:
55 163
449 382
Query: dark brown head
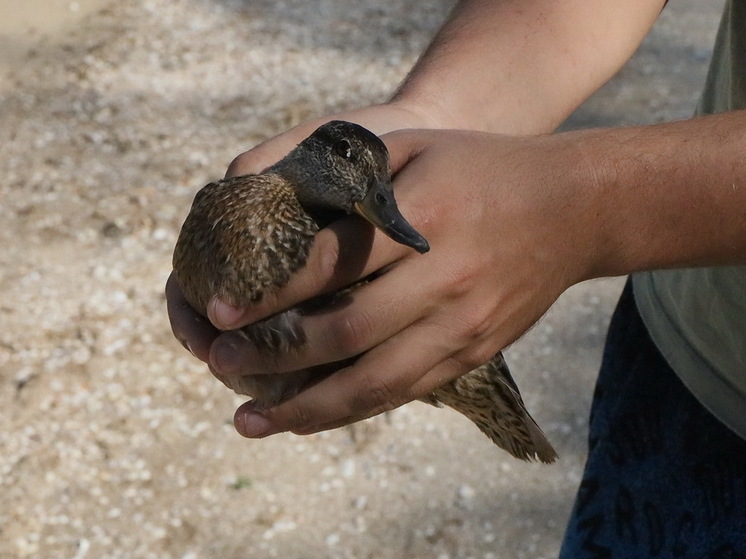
345 167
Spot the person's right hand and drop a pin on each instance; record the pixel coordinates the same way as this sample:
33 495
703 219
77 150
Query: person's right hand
511 221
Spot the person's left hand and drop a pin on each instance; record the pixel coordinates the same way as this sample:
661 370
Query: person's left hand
510 226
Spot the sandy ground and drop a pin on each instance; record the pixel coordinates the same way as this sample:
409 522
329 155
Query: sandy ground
115 441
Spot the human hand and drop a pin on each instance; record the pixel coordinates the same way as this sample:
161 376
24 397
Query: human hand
509 226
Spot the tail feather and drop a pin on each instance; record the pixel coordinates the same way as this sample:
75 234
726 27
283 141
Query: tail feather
489 397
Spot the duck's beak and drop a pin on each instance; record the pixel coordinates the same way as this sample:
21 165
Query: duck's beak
379 208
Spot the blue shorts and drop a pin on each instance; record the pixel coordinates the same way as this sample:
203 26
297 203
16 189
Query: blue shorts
664 478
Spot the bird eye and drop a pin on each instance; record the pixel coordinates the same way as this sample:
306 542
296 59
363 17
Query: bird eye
343 149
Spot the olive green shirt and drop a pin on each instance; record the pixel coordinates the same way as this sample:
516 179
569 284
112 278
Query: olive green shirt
697 317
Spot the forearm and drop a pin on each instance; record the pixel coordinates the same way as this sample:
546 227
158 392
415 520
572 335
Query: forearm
520 66
664 196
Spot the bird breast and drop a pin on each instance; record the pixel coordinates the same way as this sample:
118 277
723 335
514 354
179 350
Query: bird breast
243 236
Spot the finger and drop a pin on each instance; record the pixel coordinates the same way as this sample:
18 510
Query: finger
362 389
377 118
405 145
450 368
271 151
233 355
341 254
194 331
225 316
353 325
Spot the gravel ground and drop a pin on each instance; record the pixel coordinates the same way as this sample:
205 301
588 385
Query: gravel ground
116 442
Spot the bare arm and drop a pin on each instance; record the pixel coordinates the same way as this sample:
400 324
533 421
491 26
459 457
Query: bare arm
668 195
507 66
521 67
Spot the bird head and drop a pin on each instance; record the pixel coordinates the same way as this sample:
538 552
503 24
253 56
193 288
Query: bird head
345 167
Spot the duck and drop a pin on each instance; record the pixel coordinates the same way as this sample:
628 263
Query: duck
245 236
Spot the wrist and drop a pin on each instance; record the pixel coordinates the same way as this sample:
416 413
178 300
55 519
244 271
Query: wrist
661 196
583 203
419 113
441 105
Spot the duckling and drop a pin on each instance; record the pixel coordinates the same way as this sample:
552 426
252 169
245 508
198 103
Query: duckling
245 236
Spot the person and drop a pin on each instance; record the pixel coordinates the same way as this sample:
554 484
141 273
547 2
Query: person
515 215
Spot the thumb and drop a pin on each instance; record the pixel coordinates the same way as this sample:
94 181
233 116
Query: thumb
271 151
405 145
377 118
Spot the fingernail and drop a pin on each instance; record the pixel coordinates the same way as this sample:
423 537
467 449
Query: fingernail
224 356
225 316
185 345
252 425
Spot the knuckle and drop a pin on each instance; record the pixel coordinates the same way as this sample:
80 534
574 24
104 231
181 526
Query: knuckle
241 165
324 268
298 419
480 324
471 324
377 395
351 332
476 356
461 280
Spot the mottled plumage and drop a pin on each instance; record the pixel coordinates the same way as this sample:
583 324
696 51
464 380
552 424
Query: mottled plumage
489 397
245 236
241 239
